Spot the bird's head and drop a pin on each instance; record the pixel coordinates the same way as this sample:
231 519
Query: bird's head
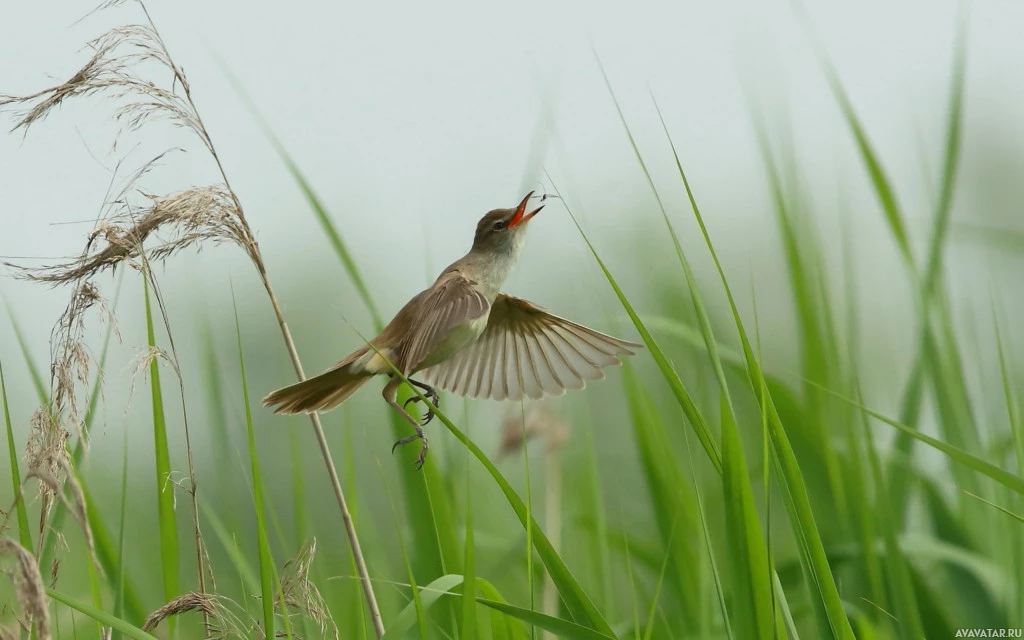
503 231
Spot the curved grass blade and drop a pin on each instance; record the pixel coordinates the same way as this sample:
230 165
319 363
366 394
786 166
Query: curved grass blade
446 585
102 617
896 565
469 622
121 539
267 591
24 533
1000 475
672 502
576 600
37 379
802 516
421 602
686 402
164 484
752 614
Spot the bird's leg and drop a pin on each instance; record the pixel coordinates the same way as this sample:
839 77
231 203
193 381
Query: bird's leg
430 393
390 393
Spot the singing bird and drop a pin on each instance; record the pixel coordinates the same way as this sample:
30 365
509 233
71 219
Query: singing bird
464 335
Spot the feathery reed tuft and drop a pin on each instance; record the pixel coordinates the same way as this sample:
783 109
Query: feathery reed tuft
29 587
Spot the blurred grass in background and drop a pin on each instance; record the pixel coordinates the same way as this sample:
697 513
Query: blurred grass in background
703 491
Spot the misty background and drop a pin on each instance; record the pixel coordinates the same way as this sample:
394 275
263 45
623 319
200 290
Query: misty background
412 120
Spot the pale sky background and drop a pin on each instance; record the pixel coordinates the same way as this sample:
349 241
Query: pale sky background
412 119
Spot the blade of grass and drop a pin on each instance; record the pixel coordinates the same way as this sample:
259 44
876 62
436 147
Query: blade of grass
672 503
24 533
469 622
752 613
719 591
896 566
446 585
267 591
121 540
576 600
102 617
690 410
418 607
422 600
246 574
164 483
426 501
42 392
803 522
1002 476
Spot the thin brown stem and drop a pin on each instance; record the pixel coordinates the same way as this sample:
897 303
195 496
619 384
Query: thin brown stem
256 255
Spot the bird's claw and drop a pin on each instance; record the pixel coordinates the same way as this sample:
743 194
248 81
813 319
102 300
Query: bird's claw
429 415
419 435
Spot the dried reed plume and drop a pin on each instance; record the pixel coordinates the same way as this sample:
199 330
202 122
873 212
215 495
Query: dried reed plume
299 593
29 587
220 621
190 218
76 505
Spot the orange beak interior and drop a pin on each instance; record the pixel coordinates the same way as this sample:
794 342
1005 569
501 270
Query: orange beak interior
519 218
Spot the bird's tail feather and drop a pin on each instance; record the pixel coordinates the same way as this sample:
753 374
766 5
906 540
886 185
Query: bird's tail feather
320 393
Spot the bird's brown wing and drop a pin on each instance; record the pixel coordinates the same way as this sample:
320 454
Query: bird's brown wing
526 351
423 324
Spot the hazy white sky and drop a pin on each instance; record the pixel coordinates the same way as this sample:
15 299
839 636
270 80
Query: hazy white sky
412 119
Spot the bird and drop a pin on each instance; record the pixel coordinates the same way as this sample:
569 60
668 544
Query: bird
464 335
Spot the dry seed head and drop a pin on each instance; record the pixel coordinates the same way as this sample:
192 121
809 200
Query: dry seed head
300 593
28 586
223 622
76 506
180 220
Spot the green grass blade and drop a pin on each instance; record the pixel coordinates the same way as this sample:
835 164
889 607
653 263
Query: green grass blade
686 402
1015 516
315 204
24 533
102 617
418 608
576 600
427 506
719 590
469 622
752 614
423 600
803 518
951 160
246 574
562 628
446 585
164 484
121 540
1002 476
267 591
896 566
42 392
894 216
672 503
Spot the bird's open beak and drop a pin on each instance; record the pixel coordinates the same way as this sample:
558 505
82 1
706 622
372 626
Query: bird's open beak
519 218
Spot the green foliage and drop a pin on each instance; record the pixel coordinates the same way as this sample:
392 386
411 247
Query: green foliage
793 518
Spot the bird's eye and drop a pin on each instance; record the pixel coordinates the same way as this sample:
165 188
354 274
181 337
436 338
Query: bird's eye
499 225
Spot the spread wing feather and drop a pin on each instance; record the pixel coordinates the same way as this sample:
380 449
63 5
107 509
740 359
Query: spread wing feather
525 351
433 314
